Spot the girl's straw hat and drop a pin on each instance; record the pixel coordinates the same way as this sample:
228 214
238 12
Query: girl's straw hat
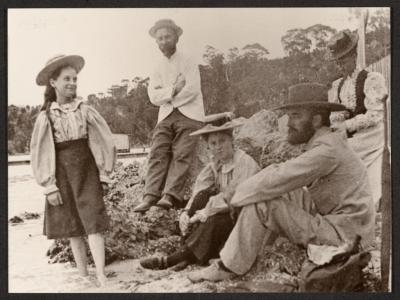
75 61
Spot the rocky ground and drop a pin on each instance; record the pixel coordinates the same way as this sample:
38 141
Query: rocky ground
133 236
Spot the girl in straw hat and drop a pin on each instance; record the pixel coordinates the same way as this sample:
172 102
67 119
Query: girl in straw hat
72 153
207 212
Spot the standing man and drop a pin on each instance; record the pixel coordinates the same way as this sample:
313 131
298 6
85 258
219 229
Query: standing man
175 88
321 197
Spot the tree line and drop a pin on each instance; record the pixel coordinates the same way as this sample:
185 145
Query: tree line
243 80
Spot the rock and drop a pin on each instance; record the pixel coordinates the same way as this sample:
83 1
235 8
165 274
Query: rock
60 251
197 164
283 258
253 135
135 235
16 220
277 150
24 216
282 124
29 216
263 137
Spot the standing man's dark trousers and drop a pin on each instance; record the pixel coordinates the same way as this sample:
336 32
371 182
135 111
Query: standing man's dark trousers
171 156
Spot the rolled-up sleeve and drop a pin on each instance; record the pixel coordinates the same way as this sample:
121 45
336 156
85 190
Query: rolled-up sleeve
374 90
101 143
278 179
192 88
43 156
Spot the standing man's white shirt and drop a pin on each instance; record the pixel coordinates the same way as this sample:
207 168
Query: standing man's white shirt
189 100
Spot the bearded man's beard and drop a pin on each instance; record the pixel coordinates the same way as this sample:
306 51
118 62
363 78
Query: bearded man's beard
296 137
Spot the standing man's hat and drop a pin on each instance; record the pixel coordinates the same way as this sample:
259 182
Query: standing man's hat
341 44
165 23
75 61
310 95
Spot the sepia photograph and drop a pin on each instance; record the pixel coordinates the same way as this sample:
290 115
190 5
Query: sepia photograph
199 150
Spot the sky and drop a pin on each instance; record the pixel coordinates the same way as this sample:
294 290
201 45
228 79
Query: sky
116 45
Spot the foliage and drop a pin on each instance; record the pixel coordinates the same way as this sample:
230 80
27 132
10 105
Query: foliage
281 257
307 40
243 81
378 36
131 113
278 150
20 127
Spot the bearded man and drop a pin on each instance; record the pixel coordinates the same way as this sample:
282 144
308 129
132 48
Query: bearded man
320 197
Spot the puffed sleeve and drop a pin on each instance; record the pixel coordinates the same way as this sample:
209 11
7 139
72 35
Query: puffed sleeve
244 169
204 180
374 90
43 155
101 143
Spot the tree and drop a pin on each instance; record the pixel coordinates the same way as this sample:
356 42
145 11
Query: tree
255 51
295 41
233 54
243 81
319 36
378 36
214 81
313 38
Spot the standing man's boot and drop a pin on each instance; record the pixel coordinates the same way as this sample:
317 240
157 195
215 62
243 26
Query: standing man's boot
167 201
148 201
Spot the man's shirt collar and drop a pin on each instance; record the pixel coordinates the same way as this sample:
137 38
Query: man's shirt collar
319 132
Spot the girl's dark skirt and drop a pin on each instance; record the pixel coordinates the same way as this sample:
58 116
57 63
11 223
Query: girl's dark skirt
208 238
83 211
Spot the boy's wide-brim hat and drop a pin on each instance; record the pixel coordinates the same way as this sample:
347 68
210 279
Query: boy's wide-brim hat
341 44
309 95
209 128
75 61
165 23
218 122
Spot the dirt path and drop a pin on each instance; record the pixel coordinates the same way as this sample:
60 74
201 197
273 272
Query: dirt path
30 272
